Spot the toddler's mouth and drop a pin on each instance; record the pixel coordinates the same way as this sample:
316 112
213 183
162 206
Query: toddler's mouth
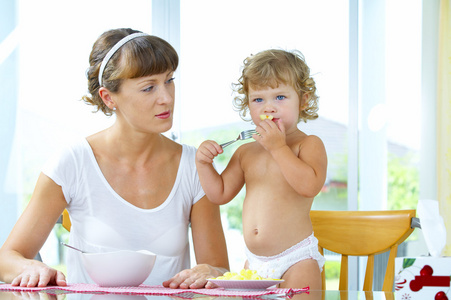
264 117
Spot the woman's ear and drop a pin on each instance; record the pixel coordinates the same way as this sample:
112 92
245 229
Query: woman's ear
105 94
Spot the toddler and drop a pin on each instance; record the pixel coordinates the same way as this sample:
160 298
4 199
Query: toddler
284 169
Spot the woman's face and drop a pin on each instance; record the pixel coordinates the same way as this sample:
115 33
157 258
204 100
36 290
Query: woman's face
147 103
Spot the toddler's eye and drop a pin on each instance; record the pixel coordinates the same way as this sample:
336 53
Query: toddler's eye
258 100
280 97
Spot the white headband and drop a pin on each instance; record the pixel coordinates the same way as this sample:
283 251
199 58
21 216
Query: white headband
113 50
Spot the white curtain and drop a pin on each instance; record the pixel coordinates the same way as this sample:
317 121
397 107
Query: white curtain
444 119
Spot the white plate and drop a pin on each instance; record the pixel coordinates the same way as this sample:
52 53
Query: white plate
246 284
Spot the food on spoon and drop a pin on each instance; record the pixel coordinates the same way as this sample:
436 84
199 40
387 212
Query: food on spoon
264 117
244 274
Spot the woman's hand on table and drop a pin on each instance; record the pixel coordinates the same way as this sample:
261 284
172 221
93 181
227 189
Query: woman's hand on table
39 275
195 278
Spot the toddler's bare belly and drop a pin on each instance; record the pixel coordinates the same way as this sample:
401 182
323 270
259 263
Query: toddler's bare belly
272 225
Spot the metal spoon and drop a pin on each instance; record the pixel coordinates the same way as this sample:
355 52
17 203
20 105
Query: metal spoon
73 248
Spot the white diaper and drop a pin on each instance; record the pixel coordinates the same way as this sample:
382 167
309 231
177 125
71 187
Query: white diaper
275 266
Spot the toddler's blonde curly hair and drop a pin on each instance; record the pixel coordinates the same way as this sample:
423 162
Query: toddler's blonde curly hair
271 68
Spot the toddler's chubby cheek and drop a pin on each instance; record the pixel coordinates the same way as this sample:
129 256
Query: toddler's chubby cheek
264 117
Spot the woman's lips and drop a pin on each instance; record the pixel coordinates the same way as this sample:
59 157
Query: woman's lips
164 115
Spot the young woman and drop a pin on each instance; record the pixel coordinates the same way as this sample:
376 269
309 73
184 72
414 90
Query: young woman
128 186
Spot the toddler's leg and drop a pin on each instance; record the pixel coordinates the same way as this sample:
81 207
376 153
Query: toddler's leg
302 274
246 264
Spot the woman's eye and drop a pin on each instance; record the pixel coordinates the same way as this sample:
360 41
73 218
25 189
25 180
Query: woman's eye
280 97
171 80
148 89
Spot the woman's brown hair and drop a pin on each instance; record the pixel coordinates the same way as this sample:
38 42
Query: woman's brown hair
142 56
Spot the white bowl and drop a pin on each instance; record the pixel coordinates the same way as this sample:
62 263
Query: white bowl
119 268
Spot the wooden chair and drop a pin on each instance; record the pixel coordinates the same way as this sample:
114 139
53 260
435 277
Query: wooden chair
362 233
65 220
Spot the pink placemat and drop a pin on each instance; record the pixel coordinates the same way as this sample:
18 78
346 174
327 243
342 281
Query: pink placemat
157 290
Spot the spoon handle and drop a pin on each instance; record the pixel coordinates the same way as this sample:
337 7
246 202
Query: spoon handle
73 247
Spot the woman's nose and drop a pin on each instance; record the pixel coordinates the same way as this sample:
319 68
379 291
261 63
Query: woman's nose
165 95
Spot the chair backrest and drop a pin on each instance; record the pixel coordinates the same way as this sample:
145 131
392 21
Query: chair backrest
65 220
362 233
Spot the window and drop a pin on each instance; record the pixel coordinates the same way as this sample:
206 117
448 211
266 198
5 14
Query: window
369 139
378 126
213 48
53 50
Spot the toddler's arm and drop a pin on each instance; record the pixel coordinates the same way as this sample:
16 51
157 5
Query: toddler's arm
220 189
306 172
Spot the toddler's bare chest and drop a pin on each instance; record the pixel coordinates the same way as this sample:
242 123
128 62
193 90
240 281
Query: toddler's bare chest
263 173
259 164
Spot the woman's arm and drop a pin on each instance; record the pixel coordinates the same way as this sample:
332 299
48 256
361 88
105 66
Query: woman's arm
17 265
209 247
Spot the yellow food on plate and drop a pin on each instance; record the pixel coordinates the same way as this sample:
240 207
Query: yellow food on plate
264 117
244 274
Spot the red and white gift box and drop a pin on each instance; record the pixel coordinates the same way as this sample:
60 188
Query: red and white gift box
423 278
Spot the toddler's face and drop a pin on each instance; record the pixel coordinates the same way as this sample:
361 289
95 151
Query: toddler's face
282 103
